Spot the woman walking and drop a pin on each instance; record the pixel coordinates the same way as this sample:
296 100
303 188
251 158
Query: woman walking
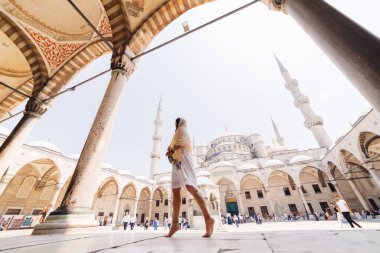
183 175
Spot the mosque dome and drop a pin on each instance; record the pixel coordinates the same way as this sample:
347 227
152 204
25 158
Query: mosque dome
203 173
165 179
4 131
300 158
204 181
140 178
222 164
273 162
45 145
124 172
74 156
107 166
276 148
247 167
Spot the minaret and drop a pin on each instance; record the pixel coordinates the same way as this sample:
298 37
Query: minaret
279 138
312 121
156 153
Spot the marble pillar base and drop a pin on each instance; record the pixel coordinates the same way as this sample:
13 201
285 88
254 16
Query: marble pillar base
67 220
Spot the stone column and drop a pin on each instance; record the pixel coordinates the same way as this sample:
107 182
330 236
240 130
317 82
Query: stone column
354 50
240 203
358 194
308 212
150 215
267 193
53 201
135 207
12 145
375 176
75 210
116 211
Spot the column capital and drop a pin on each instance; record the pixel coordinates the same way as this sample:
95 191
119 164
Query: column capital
124 65
279 5
35 108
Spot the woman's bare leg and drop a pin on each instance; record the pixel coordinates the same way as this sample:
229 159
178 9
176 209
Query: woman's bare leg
176 206
202 204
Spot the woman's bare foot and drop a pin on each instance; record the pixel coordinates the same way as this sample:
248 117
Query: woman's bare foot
172 230
209 227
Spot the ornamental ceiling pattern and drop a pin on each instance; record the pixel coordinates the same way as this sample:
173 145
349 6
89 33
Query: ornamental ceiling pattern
52 25
54 52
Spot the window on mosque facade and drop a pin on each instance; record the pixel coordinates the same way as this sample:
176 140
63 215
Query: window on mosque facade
157 203
260 194
166 202
247 195
183 201
13 211
26 187
36 211
183 214
316 188
264 211
324 206
293 209
332 187
287 191
303 189
311 208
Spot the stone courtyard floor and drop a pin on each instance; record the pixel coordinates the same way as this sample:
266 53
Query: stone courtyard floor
306 236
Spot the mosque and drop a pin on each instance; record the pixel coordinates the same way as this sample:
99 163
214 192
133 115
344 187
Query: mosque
235 173
42 46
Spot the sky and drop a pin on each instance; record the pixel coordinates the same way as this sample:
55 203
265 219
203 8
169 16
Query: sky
222 77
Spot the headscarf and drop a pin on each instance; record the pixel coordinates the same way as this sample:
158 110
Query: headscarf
181 138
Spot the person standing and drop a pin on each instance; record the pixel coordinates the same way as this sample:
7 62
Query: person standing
155 223
133 221
146 224
236 220
126 219
169 222
345 210
165 223
179 154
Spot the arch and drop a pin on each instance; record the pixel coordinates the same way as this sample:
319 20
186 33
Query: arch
128 199
246 180
119 23
143 205
105 201
160 204
229 197
354 165
27 48
369 146
31 188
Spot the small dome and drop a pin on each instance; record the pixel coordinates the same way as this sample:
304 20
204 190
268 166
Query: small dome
276 148
4 131
203 173
165 179
108 166
300 158
204 181
45 145
140 178
74 156
152 181
247 167
273 162
124 172
222 164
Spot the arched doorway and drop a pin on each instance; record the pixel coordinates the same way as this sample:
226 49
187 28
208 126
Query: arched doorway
319 192
362 179
228 196
143 205
369 144
254 194
284 194
105 201
160 204
127 201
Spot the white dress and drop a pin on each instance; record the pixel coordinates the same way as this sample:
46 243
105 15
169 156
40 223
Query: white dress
185 175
